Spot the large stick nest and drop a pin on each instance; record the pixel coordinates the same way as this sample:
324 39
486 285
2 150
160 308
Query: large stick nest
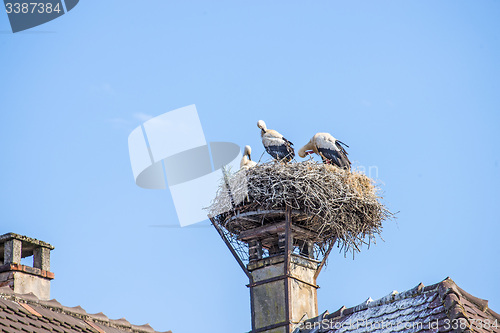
331 202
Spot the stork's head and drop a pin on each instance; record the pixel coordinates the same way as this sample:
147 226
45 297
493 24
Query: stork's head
247 151
302 152
262 125
306 150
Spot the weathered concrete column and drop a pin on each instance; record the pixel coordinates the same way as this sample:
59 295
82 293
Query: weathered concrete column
12 252
269 294
41 258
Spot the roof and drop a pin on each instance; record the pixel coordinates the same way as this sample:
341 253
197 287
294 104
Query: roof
442 307
25 312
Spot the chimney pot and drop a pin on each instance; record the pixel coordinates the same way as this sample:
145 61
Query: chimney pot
21 278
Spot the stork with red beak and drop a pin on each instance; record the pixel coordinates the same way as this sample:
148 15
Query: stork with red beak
328 148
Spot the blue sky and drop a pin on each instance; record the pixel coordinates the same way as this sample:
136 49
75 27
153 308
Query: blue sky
411 86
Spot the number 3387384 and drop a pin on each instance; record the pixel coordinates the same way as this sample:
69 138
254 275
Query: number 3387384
31 8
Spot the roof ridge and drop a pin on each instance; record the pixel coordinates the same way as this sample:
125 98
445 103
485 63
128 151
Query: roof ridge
77 311
479 302
390 298
451 295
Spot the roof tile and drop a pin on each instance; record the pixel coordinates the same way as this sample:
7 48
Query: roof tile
95 327
54 304
30 309
35 323
75 310
99 316
6 290
121 322
143 328
24 312
29 297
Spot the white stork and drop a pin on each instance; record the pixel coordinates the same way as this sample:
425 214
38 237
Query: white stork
329 148
276 145
246 162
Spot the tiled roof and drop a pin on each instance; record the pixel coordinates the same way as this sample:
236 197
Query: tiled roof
442 307
25 312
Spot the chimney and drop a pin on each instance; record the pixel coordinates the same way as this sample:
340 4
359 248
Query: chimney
21 278
283 292
283 263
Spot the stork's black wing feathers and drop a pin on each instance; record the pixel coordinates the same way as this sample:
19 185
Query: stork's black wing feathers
341 143
343 154
339 158
345 160
339 146
283 153
290 143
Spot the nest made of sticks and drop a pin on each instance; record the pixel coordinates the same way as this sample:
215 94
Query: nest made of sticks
334 204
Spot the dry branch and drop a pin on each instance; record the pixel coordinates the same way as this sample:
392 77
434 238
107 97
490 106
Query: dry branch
325 199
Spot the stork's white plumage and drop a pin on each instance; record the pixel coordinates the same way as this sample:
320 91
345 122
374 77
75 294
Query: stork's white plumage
246 162
275 144
329 148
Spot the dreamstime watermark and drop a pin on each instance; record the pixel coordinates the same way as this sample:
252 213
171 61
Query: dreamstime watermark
26 14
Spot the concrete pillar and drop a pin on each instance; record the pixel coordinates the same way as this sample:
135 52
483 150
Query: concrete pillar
41 258
255 250
12 252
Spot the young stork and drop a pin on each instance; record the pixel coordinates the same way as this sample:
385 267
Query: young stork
246 162
276 145
329 148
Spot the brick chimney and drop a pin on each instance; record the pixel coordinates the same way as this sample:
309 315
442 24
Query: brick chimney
21 278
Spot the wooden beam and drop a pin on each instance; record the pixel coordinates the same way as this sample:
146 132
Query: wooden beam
258 213
299 215
274 229
250 219
261 232
304 232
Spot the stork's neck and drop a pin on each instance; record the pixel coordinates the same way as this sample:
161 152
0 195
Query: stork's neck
308 146
244 161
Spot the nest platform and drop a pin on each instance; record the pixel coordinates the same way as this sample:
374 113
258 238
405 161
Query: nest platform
326 204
